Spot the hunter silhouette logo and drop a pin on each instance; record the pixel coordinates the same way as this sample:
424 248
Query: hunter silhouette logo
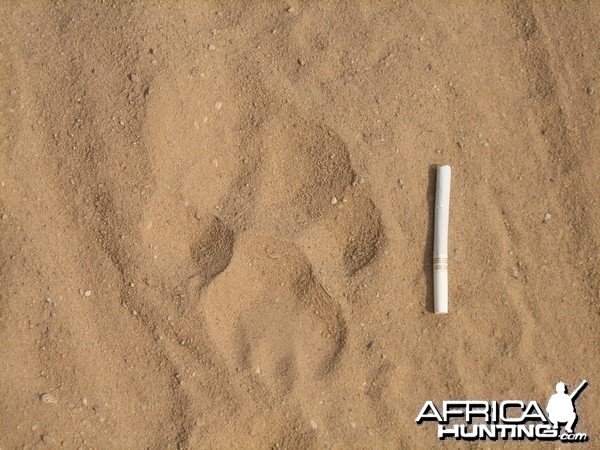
561 408
510 419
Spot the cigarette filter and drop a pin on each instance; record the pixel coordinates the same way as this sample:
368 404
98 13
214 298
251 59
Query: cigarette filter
440 240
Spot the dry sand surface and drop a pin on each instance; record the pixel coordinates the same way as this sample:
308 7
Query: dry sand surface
216 218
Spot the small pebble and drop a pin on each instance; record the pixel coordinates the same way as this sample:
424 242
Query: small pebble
547 218
14 91
4 216
134 77
312 424
132 284
48 440
87 293
211 47
590 90
514 272
47 398
333 200
369 344
301 61
218 105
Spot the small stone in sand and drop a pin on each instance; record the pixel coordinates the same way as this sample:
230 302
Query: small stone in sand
211 47
4 216
312 424
301 61
134 77
218 105
547 218
14 91
590 90
514 272
47 398
333 200
87 293
48 440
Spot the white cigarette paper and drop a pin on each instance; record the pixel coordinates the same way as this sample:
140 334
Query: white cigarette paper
440 240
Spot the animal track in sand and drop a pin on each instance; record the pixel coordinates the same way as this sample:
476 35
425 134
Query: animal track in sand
267 313
242 212
265 309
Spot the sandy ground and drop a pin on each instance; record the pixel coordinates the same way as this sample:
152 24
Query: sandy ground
216 218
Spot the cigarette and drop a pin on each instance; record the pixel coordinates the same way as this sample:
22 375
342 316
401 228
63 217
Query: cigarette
440 240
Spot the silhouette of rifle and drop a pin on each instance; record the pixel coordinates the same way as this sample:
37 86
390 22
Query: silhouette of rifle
578 389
